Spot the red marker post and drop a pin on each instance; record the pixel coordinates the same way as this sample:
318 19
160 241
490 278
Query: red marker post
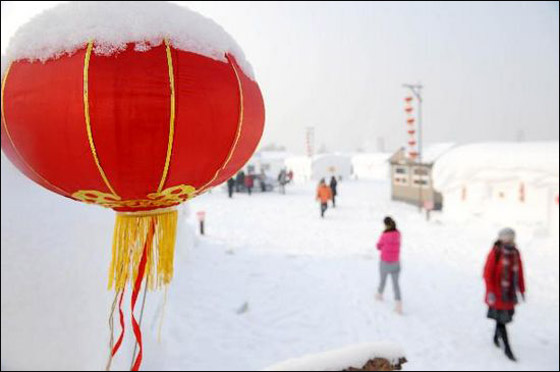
201 215
429 207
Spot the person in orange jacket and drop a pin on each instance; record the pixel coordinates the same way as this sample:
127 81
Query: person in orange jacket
324 194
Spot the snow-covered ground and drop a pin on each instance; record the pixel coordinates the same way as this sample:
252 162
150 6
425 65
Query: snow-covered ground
269 281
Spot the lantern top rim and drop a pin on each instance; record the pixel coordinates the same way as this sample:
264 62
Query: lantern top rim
112 25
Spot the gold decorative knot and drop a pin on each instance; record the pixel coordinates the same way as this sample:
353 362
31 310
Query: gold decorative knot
168 197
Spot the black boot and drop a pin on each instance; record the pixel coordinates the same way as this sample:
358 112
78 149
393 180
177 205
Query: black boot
497 336
508 352
510 355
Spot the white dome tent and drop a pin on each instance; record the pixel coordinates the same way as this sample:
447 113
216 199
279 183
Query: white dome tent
320 166
371 166
327 165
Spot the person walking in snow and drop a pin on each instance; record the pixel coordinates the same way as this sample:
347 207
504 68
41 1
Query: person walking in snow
389 245
290 176
503 275
333 184
282 180
249 183
323 196
230 186
262 180
239 181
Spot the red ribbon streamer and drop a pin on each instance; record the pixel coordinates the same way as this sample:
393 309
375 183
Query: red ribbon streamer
121 320
137 286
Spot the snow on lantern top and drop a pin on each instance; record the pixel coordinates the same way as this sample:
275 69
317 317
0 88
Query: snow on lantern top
68 27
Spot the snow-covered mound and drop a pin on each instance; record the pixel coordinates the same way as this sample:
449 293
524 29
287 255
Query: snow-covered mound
112 24
341 359
491 162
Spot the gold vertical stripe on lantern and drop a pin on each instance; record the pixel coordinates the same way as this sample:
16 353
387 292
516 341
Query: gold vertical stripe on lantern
171 117
88 121
130 236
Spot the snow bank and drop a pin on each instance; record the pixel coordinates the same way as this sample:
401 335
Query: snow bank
112 24
534 162
338 360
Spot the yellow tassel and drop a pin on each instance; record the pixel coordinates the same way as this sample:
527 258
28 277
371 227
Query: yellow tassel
129 237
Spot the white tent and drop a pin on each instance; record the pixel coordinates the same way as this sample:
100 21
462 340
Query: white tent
327 165
319 166
371 166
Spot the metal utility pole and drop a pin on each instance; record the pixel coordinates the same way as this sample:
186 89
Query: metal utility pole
416 90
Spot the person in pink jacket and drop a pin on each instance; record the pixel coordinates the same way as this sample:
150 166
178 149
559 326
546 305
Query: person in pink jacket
389 245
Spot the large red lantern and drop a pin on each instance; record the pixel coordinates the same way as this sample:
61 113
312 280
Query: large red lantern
139 131
101 130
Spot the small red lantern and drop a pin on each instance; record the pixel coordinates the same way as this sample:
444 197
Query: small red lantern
411 131
408 109
412 142
410 121
408 99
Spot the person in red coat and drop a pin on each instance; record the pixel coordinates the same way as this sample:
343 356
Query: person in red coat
504 279
249 183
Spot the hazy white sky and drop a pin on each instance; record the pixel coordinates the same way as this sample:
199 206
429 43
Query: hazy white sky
490 70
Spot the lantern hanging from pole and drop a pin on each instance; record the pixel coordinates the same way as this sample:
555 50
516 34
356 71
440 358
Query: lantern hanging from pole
138 124
408 109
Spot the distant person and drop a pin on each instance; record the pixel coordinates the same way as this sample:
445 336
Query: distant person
249 183
239 181
262 180
282 180
290 176
504 279
333 185
323 196
390 246
230 186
